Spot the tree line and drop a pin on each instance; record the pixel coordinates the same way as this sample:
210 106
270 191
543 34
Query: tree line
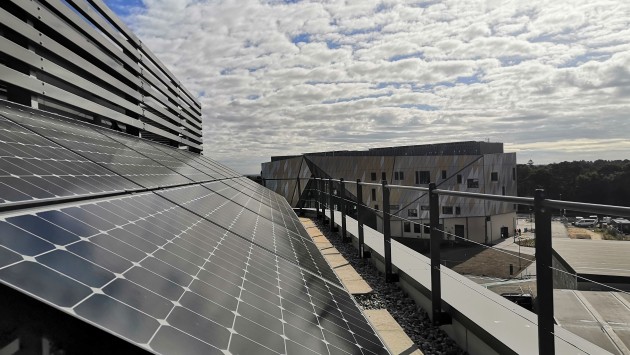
601 181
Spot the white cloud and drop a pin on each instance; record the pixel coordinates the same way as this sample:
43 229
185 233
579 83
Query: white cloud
550 79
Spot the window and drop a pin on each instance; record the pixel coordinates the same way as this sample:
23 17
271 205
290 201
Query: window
494 176
473 183
407 227
443 174
401 175
424 208
383 176
458 210
447 209
503 190
376 207
416 228
373 176
396 175
423 177
459 179
427 229
373 194
412 212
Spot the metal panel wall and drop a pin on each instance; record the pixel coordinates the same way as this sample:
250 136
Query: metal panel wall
76 58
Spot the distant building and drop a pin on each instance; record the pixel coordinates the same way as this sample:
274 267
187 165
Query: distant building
461 166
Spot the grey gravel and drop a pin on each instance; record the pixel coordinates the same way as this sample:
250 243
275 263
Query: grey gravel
412 318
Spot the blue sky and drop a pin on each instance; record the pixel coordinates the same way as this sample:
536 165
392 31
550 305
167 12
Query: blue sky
549 79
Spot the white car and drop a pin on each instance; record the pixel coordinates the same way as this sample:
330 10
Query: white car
586 222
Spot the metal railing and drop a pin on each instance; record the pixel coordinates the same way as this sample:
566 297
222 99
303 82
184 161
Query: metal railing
326 196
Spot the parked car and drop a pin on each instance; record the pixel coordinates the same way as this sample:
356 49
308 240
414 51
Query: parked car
586 222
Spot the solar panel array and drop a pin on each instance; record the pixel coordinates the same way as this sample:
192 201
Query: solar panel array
203 261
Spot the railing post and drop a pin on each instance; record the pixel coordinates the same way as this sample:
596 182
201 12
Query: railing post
299 192
439 317
362 252
331 207
322 197
314 182
544 275
387 236
343 204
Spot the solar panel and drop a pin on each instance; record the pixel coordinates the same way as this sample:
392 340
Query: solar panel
208 201
170 281
88 142
164 155
32 167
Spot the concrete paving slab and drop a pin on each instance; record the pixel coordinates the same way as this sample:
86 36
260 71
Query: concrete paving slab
353 282
390 331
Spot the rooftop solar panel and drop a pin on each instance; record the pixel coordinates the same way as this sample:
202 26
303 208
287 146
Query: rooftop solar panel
167 156
165 279
88 142
222 210
33 167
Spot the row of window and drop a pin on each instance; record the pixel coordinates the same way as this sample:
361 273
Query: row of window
424 177
413 212
416 228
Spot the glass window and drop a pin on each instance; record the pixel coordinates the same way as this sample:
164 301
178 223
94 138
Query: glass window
373 194
396 175
416 228
423 177
443 174
407 227
458 210
401 175
494 176
473 183
427 229
383 176
447 209
412 212
459 179
373 176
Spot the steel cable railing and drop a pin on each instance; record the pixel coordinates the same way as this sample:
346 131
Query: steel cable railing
328 193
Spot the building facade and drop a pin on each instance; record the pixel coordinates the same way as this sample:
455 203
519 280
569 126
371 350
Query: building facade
462 166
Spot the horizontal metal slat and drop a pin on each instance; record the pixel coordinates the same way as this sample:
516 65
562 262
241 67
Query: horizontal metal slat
47 18
39 87
62 52
71 17
106 27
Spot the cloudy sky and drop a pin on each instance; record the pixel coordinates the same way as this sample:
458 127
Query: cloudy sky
550 79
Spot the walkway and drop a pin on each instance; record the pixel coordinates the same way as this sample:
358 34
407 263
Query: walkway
384 324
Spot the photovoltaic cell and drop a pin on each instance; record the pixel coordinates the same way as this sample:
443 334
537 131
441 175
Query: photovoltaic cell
239 220
32 167
88 142
166 279
164 155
